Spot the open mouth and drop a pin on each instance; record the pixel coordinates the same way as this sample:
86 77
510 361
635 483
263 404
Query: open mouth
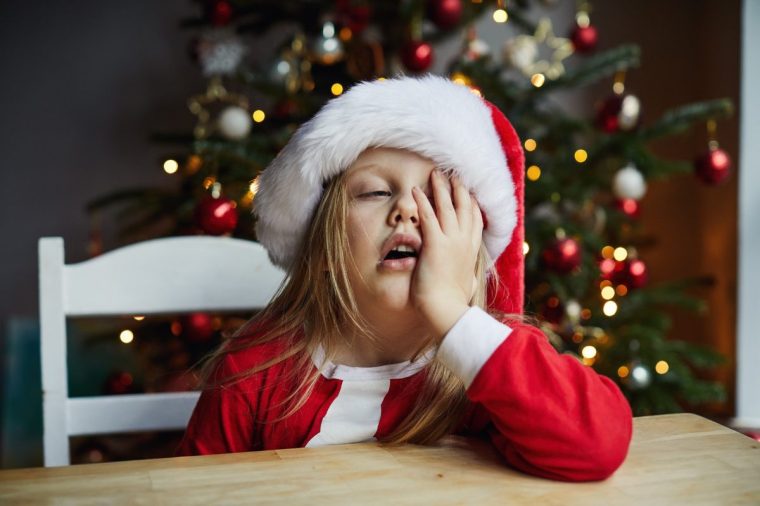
401 251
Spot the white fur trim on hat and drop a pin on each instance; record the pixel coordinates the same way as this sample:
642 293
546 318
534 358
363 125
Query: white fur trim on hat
431 116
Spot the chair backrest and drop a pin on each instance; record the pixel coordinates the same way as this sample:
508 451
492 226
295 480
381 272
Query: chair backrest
162 276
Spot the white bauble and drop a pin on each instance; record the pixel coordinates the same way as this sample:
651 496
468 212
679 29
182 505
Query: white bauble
629 183
235 123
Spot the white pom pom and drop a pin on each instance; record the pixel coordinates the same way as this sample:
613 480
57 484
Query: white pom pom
629 183
235 123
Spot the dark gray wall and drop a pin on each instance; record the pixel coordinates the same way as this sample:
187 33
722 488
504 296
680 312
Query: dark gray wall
83 85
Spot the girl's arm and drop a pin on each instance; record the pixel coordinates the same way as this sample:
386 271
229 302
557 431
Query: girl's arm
549 414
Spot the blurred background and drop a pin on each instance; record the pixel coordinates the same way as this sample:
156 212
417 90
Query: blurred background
124 121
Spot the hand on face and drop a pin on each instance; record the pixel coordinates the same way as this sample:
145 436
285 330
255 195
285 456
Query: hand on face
444 281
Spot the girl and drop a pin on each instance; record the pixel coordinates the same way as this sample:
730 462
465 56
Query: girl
393 324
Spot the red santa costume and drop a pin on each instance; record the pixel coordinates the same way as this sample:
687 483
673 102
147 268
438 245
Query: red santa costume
547 414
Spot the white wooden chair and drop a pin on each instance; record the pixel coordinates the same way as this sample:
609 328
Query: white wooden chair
162 276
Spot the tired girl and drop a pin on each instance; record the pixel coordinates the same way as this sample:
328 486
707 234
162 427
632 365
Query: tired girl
397 213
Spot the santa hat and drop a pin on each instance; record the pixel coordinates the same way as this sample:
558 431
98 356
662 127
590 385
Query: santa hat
431 116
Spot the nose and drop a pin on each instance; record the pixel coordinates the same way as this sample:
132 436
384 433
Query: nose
404 209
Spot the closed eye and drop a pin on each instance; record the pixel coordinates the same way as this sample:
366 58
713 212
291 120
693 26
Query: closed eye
377 193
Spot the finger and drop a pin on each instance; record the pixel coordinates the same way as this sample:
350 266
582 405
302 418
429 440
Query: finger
428 221
462 203
445 208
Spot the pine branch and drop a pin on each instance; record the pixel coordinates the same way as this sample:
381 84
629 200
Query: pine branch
595 68
678 120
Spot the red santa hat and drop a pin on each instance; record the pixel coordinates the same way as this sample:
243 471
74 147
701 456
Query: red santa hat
431 116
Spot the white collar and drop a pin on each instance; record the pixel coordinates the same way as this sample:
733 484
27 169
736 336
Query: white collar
381 372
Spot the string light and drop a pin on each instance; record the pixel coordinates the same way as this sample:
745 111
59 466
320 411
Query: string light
208 182
661 367
530 145
607 252
538 80
610 308
500 16
623 371
621 290
171 166
585 313
581 155
526 247
126 336
254 187
139 318
608 292
588 352
605 283
345 34
534 172
336 89
258 115
620 254
460 78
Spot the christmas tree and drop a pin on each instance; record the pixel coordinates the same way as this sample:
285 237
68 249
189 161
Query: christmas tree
586 281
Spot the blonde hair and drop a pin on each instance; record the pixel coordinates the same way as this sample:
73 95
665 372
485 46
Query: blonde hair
315 299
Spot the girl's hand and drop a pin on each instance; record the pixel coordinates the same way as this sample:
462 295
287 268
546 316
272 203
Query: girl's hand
444 280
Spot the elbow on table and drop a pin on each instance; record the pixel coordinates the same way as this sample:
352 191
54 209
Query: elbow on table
602 459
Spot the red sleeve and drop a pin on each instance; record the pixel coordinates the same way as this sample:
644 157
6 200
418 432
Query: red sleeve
551 415
223 419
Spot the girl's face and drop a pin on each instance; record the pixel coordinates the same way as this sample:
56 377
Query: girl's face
383 226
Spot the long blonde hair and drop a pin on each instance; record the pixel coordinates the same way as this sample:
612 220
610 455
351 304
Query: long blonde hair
315 299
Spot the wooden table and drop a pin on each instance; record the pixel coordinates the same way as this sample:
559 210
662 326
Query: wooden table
674 459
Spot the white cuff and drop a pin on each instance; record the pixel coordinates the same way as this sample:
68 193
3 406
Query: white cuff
471 342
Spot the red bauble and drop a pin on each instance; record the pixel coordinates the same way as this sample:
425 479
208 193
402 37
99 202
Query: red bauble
713 167
630 207
445 13
119 382
219 12
632 272
216 216
417 56
355 17
584 38
197 327
618 112
562 255
636 273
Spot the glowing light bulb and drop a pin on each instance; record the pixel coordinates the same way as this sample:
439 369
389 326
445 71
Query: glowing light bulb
608 292
581 155
126 336
526 248
500 16
530 145
254 187
607 251
620 254
610 308
336 89
533 173
588 352
661 367
623 371
538 80
171 166
258 115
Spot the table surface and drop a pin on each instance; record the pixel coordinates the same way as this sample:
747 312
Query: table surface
674 459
